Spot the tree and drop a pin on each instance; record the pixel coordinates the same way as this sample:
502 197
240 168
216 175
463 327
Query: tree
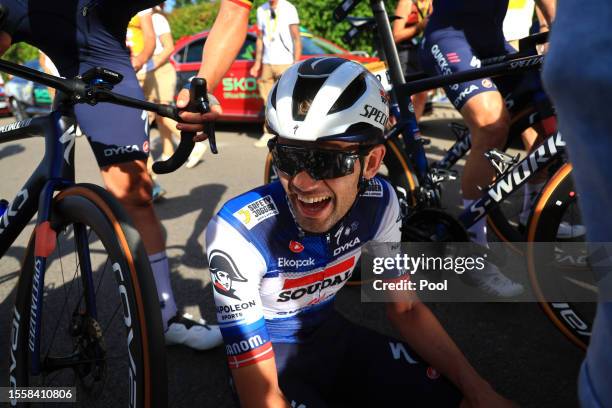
192 19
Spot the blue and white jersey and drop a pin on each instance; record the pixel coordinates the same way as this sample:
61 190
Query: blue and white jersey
274 283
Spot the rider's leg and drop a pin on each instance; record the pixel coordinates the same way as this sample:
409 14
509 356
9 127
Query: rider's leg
121 148
419 100
531 138
488 120
131 185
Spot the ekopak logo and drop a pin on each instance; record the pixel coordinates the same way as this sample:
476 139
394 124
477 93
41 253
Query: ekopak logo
296 247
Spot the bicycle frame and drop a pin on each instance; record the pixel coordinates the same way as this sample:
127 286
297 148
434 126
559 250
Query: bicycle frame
54 172
551 149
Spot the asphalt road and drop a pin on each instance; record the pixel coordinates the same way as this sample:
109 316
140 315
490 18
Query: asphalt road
512 345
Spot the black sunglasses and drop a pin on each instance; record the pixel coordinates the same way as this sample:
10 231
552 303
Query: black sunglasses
318 163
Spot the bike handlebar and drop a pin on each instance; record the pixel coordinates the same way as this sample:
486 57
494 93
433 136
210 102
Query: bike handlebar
79 91
198 102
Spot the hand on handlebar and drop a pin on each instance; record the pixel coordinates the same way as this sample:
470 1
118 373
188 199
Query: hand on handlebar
194 121
200 118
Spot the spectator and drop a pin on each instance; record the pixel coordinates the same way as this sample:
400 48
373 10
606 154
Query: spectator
140 38
570 72
141 41
407 34
518 21
278 46
158 77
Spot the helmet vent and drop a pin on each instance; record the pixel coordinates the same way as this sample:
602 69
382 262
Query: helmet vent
350 95
304 92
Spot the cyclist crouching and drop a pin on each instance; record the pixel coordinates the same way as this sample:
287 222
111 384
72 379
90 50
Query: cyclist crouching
278 255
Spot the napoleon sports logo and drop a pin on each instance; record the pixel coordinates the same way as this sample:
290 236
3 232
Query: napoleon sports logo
224 273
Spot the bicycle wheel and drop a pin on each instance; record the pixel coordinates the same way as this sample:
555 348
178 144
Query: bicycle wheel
101 328
503 219
563 268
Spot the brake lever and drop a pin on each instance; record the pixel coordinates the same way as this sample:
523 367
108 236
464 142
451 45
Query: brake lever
198 102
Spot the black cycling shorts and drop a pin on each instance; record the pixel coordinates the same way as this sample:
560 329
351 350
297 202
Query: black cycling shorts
346 365
81 34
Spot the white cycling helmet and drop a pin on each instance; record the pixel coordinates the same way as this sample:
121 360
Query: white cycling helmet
347 103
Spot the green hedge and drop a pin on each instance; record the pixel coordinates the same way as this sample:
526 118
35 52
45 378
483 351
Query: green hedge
192 19
315 16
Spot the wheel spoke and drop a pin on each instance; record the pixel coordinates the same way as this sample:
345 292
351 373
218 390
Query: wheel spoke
107 325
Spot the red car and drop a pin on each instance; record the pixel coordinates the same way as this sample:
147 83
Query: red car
237 91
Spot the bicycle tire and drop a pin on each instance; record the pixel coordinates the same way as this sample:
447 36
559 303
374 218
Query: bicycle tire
549 210
140 323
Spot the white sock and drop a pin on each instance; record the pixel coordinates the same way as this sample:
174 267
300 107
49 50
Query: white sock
531 192
161 273
478 231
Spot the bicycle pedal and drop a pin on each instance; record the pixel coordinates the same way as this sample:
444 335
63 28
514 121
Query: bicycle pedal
501 161
439 175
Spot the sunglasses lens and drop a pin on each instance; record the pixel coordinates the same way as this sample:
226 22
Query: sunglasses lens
320 164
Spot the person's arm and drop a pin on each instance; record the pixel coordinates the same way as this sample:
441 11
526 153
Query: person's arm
257 386
148 40
401 32
258 55
419 327
222 45
548 8
297 41
168 44
237 269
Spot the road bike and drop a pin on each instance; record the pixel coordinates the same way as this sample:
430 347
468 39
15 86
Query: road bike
86 312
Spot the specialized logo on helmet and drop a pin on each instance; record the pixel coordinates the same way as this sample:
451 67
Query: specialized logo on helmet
224 273
374 114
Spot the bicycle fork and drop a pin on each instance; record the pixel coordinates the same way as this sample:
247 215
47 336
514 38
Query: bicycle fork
44 245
